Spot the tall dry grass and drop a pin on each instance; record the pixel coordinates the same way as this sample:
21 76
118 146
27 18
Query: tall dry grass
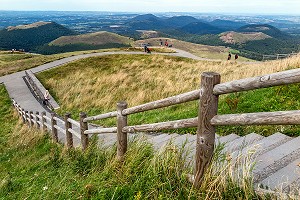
102 81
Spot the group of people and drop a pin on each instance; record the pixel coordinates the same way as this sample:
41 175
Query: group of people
166 43
235 57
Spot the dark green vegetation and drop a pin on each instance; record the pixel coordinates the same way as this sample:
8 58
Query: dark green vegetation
32 167
31 37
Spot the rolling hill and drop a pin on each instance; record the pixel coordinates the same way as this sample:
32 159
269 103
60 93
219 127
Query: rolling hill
232 37
90 41
30 36
200 28
227 24
266 29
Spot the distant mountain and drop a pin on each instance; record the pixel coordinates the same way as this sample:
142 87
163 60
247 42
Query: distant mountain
227 24
30 36
180 21
201 28
146 22
266 29
90 41
146 17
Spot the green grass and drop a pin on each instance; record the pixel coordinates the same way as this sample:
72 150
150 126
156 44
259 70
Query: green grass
33 167
141 79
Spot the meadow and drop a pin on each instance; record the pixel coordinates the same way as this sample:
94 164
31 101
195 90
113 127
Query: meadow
95 85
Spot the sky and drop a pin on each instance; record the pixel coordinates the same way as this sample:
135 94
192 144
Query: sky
151 6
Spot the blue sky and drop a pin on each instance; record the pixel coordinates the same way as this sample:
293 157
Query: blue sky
207 6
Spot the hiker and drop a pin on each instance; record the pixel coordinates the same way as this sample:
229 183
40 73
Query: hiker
160 42
229 56
145 48
148 50
46 97
166 43
236 56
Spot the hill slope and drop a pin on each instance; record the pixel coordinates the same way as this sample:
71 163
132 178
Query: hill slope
97 38
266 29
90 41
30 36
235 37
200 28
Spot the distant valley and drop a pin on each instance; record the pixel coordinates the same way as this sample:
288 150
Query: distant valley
249 39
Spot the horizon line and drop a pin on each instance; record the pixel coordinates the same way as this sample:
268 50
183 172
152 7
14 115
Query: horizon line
146 12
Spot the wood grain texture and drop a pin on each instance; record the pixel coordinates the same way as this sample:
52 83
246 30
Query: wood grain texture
54 130
69 136
208 108
44 128
83 127
184 123
121 135
269 80
37 119
74 122
181 98
261 118
101 130
31 119
101 116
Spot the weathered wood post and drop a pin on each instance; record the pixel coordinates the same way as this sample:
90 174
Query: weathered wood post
37 119
69 136
208 108
31 119
83 127
121 136
44 128
27 117
23 116
54 130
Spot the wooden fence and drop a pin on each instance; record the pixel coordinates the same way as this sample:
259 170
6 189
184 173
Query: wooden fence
278 56
206 121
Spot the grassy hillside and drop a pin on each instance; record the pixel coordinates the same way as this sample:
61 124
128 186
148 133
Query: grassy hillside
239 38
32 167
29 37
97 38
203 51
90 41
140 78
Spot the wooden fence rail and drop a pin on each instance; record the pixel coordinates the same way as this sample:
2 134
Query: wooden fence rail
206 121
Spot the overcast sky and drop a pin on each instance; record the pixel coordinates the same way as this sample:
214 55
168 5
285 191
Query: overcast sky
215 6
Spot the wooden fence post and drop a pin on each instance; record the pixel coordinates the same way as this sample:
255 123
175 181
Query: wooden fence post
83 127
121 136
208 108
69 136
30 119
54 130
26 117
23 116
44 128
37 119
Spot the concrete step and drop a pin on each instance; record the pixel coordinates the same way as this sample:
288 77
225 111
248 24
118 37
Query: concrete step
276 159
184 139
227 138
107 139
242 142
165 140
264 145
283 178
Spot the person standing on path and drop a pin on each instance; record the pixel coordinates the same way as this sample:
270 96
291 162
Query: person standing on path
236 56
229 56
